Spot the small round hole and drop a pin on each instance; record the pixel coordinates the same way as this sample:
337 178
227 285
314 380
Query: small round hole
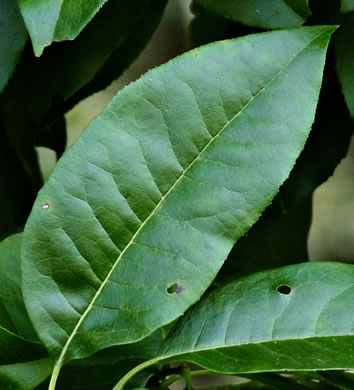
196 55
284 289
45 206
175 288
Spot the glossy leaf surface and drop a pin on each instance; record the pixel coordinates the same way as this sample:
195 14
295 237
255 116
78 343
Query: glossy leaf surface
119 220
12 39
258 13
56 20
298 317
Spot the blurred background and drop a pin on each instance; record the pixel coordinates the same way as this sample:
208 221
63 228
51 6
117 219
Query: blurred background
332 231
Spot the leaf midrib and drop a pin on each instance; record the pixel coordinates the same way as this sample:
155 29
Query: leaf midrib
164 197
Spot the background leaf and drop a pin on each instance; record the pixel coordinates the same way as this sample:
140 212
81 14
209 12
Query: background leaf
12 39
24 362
13 315
44 89
347 6
117 222
270 14
56 20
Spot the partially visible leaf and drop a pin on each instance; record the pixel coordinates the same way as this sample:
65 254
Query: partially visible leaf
56 20
117 223
259 13
25 376
298 317
13 314
43 89
206 26
19 364
345 58
347 6
12 39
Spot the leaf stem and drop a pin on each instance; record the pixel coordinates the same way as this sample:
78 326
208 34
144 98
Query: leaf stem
188 377
168 382
120 385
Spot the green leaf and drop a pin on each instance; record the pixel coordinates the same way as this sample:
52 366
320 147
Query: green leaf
56 20
258 13
13 315
106 367
12 39
297 317
19 364
25 376
347 6
281 234
115 228
345 59
97 57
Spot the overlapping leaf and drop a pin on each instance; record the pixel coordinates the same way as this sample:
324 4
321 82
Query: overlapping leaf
298 317
257 13
24 363
162 184
43 89
56 20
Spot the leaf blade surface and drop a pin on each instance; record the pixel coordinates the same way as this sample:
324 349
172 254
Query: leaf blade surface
56 20
273 14
131 188
256 325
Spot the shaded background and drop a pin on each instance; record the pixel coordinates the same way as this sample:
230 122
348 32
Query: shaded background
332 231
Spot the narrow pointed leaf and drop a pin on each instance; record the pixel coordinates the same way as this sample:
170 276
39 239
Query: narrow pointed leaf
56 20
12 39
258 13
298 317
186 157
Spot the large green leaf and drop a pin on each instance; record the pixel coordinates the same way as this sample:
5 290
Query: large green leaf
298 317
12 39
281 234
56 20
259 13
186 157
